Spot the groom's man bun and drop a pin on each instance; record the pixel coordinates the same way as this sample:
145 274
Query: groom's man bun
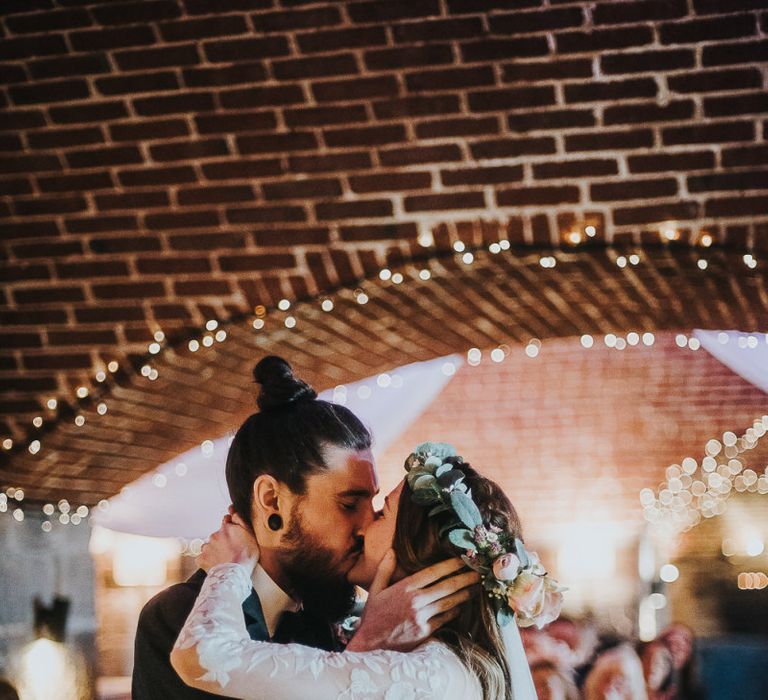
288 436
278 385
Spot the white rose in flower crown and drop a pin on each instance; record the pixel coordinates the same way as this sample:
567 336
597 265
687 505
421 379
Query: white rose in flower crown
526 597
505 567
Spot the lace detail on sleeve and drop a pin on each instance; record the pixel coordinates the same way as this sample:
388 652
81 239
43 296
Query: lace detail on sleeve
236 666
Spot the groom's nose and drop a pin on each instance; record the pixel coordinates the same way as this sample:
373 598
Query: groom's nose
367 517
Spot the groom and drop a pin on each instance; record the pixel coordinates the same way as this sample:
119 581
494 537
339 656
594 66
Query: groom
309 523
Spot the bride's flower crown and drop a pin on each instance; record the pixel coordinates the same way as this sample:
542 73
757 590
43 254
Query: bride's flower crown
513 578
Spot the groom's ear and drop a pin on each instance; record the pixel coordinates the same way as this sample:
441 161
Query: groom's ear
268 501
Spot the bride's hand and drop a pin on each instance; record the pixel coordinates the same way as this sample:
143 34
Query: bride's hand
232 543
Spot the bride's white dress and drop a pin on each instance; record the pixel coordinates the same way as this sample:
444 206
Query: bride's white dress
236 666
232 664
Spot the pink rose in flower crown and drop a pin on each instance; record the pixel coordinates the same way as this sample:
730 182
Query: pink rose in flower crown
506 567
553 601
526 597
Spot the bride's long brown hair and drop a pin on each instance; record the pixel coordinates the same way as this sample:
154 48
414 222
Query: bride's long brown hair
474 635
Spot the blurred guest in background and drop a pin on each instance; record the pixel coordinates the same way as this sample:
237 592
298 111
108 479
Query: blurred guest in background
617 674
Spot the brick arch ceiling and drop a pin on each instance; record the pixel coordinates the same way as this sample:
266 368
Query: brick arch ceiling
170 161
504 298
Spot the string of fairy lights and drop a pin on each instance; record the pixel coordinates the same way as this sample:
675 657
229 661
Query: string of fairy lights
656 508
694 490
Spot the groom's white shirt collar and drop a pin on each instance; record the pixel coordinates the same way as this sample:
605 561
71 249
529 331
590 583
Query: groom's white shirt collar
273 599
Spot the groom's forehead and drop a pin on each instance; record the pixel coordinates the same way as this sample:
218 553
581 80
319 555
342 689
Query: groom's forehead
352 473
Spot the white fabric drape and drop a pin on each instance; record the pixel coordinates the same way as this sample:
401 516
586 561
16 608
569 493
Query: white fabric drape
519 670
746 354
164 503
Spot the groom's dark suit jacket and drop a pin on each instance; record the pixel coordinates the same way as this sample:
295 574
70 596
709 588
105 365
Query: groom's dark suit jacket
163 617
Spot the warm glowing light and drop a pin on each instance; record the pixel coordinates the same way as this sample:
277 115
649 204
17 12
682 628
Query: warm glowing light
101 409
385 274
7 444
207 340
669 232
362 298
703 264
34 447
46 669
207 447
48 509
574 238
754 547
211 325
669 573
591 231
364 392
101 376
194 346
113 366
397 278
459 246
649 339
426 239
82 392
154 348
290 322
284 305
467 258
52 403
494 248
159 336
141 561
681 341
706 240
587 341
424 275
474 355
258 323
326 305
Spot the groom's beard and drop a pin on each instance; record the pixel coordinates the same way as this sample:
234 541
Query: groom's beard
315 578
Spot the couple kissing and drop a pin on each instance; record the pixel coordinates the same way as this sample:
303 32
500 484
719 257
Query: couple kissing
448 577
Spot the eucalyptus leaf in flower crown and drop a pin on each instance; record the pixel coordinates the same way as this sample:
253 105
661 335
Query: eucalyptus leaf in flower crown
511 576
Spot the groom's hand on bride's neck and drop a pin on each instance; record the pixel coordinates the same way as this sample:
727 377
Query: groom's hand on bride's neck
402 616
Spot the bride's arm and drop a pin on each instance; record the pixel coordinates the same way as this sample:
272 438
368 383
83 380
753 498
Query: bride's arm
215 654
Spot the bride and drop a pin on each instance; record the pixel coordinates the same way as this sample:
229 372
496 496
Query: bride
441 508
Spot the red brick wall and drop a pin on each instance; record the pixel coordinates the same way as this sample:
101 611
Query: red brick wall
129 128
575 434
165 162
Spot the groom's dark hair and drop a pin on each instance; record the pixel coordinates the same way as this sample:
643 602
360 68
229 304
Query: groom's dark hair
286 438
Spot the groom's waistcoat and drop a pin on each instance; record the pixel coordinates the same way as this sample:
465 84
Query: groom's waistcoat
163 617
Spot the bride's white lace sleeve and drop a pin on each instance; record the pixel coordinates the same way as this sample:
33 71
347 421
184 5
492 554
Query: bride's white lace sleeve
214 653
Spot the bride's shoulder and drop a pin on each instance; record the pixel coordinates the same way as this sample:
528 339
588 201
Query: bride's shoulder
455 675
